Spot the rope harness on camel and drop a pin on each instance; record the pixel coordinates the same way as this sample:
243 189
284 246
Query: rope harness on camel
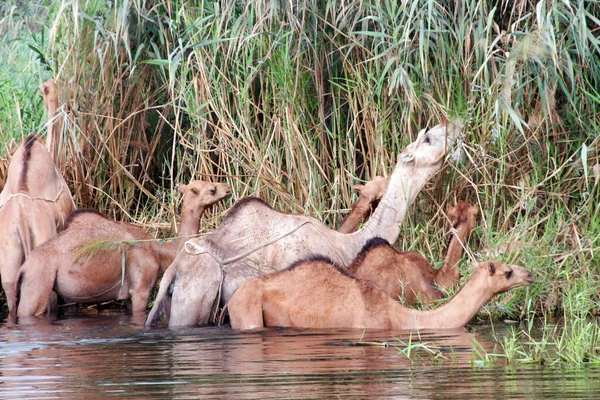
33 198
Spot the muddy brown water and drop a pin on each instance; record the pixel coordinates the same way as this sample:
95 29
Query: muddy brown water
105 355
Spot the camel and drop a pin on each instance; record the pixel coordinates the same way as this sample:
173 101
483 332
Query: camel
407 274
98 276
255 239
317 294
34 205
369 196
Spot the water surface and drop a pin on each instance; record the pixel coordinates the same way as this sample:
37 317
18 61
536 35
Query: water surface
105 355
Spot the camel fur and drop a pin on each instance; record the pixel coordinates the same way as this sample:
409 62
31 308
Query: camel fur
98 276
317 294
255 239
34 205
369 196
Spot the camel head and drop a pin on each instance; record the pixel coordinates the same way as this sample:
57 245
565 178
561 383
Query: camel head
431 146
502 277
201 194
373 190
463 212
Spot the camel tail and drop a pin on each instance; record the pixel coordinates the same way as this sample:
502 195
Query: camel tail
162 298
17 295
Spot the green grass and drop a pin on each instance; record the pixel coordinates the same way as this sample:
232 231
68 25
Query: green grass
296 104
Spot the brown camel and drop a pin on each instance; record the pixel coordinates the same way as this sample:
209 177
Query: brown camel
98 276
369 195
34 205
255 239
407 274
317 294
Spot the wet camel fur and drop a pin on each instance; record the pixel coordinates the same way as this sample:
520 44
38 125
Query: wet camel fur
318 294
407 274
34 205
57 267
255 239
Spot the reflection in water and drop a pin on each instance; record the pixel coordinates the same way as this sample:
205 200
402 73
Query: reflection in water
107 356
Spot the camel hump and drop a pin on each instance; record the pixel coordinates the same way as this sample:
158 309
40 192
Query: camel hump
243 204
81 213
318 258
373 243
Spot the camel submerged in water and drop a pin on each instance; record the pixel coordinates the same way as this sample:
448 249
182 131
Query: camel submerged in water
58 267
34 205
255 239
318 294
407 274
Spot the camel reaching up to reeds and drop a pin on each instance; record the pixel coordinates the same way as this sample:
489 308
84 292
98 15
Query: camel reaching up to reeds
369 196
407 274
48 90
97 276
34 205
317 294
255 239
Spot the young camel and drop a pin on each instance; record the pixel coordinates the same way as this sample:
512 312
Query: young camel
317 294
34 205
369 196
98 277
255 239
408 274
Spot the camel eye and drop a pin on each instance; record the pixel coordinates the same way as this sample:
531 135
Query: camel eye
508 274
194 191
427 140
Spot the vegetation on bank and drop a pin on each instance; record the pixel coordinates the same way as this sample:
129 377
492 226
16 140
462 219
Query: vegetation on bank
296 102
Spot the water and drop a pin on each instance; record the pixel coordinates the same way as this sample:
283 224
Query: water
104 355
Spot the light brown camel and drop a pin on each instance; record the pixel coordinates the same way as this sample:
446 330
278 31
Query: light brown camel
317 294
98 277
48 90
34 205
255 239
369 196
407 274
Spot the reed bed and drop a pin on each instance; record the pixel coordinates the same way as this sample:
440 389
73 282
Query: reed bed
295 102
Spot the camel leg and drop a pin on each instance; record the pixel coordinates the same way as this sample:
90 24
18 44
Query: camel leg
195 289
245 307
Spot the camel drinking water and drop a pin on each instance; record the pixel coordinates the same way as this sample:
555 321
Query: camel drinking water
255 239
34 205
317 294
408 274
98 276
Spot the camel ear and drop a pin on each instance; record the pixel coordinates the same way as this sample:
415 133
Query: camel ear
474 209
44 88
491 268
182 188
451 211
357 188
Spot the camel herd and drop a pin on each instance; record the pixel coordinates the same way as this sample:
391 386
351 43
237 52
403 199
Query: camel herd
262 266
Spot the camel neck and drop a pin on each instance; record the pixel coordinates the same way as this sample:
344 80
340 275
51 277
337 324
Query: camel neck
190 221
189 225
457 312
405 183
447 275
